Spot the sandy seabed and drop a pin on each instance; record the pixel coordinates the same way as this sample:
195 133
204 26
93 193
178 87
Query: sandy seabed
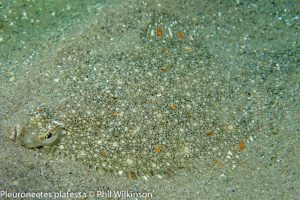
197 99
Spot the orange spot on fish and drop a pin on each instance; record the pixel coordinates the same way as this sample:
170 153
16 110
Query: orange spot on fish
241 146
157 149
180 35
159 32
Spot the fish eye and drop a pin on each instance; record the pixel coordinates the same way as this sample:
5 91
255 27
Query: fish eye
49 135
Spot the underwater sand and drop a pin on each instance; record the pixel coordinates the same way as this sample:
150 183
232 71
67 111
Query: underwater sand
181 100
